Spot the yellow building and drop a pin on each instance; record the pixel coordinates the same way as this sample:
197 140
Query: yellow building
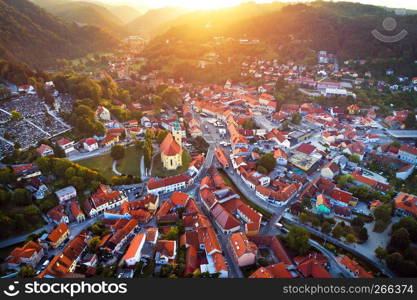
171 151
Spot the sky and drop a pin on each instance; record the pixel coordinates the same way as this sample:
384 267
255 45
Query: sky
210 4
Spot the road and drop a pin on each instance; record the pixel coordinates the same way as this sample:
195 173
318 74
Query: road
23 237
376 263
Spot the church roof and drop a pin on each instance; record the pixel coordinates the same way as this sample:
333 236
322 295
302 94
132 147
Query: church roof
169 146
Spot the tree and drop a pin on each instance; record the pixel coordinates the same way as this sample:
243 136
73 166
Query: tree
306 203
267 161
326 227
160 136
410 121
408 223
400 239
7 176
171 97
21 197
26 272
363 234
15 115
172 234
117 152
248 124
296 118
383 212
357 221
350 238
298 240
354 158
304 218
93 243
381 252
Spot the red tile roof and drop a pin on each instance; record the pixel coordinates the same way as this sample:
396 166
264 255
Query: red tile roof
169 146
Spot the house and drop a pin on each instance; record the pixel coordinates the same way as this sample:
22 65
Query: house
44 150
179 199
104 199
166 252
57 215
405 172
224 219
110 140
66 261
66 145
103 114
66 194
90 144
244 251
371 183
29 255
330 170
353 267
57 236
356 148
408 154
406 205
134 252
168 184
279 270
353 109
323 204
26 171
281 157
77 212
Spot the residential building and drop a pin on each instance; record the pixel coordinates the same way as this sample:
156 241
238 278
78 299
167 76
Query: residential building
244 251
66 194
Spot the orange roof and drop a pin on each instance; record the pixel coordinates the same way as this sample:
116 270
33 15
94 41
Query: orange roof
135 245
241 245
58 232
179 198
406 202
261 273
26 251
169 146
281 270
354 267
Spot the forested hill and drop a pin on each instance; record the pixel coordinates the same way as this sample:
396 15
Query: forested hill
31 35
82 13
342 28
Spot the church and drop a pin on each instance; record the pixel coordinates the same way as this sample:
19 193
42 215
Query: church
171 150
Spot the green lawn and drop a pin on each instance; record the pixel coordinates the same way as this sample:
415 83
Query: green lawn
102 163
159 170
129 165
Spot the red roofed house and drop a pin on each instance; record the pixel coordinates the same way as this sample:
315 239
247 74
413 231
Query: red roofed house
66 145
77 212
408 154
105 198
244 251
57 236
133 253
166 252
179 199
330 170
224 219
90 144
167 185
44 150
30 255
353 267
406 205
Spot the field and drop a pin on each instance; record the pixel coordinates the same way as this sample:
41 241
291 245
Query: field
129 165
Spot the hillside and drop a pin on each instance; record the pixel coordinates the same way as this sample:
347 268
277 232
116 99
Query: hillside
126 14
83 13
31 35
294 30
146 23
